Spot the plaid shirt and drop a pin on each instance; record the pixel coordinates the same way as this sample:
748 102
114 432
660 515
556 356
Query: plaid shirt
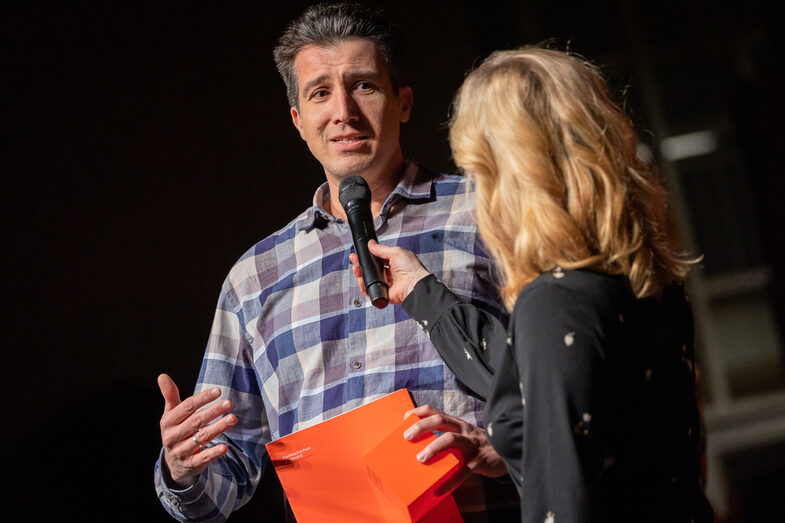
294 341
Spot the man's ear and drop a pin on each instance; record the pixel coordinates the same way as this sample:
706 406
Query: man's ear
296 120
406 98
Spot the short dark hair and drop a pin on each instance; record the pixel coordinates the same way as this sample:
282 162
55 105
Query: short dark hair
325 25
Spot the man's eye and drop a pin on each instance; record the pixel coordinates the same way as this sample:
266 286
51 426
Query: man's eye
321 93
365 86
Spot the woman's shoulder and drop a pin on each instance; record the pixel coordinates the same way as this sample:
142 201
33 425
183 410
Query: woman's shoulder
580 285
580 296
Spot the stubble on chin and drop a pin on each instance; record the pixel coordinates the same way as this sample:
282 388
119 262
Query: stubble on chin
340 172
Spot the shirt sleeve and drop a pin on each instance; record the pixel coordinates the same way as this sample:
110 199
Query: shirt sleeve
463 334
556 350
228 482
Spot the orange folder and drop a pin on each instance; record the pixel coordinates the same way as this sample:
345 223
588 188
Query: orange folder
326 479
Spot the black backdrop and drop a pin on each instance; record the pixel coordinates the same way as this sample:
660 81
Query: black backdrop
146 148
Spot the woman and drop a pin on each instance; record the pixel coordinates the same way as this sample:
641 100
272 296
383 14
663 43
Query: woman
591 390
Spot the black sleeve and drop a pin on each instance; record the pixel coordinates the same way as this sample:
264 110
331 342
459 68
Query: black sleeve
556 353
463 334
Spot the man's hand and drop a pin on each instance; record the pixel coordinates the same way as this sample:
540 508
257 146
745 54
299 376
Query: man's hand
479 457
403 272
183 431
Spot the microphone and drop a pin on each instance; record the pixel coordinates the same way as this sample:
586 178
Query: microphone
355 197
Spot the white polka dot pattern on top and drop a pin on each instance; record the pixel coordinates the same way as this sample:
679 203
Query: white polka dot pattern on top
582 427
601 313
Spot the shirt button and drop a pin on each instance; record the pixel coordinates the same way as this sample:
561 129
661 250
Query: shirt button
357 364
357 302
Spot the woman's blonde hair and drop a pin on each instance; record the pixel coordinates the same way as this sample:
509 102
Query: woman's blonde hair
557 176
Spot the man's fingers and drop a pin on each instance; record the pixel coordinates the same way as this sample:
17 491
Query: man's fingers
206 434
189 406
191 442
199 424
213 411
173 433
206 456
184 442
169 391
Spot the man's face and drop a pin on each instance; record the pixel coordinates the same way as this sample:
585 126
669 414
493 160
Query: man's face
349 115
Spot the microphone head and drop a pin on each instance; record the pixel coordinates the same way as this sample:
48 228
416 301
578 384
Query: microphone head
353 188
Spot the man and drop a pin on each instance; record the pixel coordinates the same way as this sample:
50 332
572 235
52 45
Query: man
294 342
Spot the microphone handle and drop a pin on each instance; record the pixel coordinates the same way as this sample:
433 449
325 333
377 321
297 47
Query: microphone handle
374 277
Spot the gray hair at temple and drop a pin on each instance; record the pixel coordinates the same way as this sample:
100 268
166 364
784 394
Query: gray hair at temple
326 25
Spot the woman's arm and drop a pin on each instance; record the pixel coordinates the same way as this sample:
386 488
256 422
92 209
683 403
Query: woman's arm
463 334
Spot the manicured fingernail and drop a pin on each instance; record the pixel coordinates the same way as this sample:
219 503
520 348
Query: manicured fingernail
408 434
215 391
231 419
422 456
226 404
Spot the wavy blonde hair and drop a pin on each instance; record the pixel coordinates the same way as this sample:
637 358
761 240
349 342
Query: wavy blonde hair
558 180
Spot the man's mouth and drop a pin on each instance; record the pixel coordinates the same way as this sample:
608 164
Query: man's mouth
353 139
352 143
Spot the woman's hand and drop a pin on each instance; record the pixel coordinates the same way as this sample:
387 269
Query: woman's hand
478 456
403 270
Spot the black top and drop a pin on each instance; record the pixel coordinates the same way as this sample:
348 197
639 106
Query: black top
595 411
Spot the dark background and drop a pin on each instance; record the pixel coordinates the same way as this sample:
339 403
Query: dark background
145 148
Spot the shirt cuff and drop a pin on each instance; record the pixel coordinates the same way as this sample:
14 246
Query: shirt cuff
428 301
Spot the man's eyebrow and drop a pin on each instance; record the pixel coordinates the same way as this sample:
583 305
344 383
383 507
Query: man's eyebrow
358 75
313 83
351 76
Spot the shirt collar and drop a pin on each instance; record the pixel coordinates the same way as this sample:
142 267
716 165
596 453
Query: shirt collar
415 184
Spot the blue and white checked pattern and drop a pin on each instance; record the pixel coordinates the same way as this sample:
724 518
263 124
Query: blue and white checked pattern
294 342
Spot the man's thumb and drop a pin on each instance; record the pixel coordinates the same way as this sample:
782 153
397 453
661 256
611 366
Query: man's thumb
169 391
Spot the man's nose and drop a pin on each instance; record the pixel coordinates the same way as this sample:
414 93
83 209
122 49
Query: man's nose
346 109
